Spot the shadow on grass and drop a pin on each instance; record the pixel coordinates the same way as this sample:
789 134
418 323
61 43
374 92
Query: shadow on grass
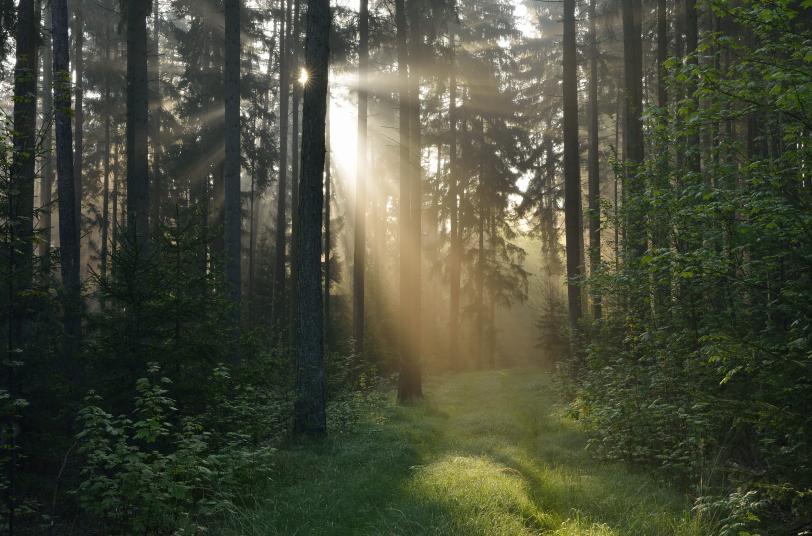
484 454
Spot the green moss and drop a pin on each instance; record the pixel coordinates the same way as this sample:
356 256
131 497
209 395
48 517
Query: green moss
484 454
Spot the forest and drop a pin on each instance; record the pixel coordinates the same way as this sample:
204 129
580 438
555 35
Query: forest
440 267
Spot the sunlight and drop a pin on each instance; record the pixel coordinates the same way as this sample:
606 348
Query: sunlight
303 77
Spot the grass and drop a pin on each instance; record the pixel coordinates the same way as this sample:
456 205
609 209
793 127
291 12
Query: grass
484 454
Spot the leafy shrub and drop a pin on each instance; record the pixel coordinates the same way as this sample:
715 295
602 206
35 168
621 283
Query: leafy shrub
155 473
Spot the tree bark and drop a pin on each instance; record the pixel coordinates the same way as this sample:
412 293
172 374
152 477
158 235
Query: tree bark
231 168
137 126
359 242
23 170
593 164
409 380
328 246
572 169
309 407
157 197
105 223
68 217
633 131
455 235
46 184
278 312
79 114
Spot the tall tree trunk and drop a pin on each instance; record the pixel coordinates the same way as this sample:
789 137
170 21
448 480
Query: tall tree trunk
409 382
633 131
594 166
328 245
572 169
46 183
23 166
66 187
480 262
296 141
116 189
279 311
662 53
79 114
455 235
157 197
693 155
416 221
309 407
105 223
137 126
359 243
231 168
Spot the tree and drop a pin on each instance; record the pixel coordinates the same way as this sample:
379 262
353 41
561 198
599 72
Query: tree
279 311
68 216
409 381
231 169
47 179
137 125
572 168
24 141
633 139
455 231
360 246
79 111
593 165
309 408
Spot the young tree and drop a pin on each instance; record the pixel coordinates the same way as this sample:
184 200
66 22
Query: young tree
309 409
360 245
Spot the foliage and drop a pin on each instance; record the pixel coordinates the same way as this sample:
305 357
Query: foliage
157 473
701 366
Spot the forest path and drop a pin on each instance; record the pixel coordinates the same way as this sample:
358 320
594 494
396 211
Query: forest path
485 453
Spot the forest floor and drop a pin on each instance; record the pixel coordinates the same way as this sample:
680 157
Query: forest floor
485 453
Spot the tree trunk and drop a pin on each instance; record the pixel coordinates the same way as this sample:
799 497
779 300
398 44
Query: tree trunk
23 170
455 238
328 246
157 197
480 262
662 53
137 126
79 114
309 407
105 223
633 131
278 312
359 242
572 169
409 380
231 168
46 184
594 166
66 187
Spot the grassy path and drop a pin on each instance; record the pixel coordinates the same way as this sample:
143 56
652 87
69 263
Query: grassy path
485 454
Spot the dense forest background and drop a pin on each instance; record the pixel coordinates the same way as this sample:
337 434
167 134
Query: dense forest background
229 225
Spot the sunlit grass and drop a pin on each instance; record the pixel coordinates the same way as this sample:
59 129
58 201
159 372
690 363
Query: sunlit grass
485 453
